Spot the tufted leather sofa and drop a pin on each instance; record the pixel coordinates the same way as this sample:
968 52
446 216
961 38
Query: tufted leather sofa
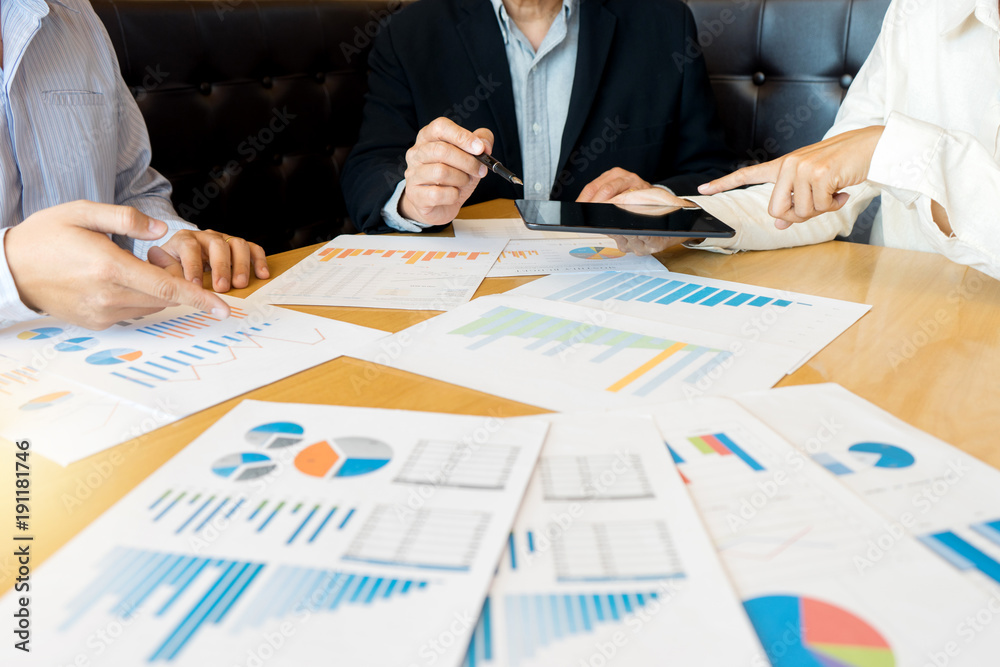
253 105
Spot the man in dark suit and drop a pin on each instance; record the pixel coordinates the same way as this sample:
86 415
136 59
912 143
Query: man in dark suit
583 98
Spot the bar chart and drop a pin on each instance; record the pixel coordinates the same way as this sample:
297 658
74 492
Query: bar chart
616 551
459 465
569 256
807 322
435 539
975 548
132 577
275 520
607 477
406 256
626 286
550 336
535 622
294 590
723 445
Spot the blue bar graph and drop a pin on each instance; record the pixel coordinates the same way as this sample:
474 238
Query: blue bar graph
264 518
549 336
295 589
990 530
132 576
481 645
962 554
625 286
535 622
831 464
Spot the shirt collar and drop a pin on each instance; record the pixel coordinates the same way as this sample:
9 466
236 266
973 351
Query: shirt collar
954 13
505 20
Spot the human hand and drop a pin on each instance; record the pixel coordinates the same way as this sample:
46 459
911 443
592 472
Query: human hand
652 201
441 172
808 182
229 257
611 184
63 264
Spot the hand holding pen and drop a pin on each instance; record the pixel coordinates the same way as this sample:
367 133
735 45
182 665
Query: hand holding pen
443 168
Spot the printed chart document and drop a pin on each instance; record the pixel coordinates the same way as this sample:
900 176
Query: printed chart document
74 392
511 229
564 357
405 272
609 558
64 420
825 578
948 499
533 258
809 323
287 532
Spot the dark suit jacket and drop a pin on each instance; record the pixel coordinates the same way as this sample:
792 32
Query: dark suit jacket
640 101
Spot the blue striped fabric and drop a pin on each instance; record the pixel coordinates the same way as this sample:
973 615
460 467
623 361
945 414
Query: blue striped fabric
70 128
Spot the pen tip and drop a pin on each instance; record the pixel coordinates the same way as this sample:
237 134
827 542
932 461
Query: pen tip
518 181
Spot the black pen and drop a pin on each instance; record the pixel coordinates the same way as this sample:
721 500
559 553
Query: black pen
494 165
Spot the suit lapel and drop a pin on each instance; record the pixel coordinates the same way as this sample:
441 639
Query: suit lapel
480 34
597 30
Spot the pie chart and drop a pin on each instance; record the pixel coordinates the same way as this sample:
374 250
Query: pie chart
344 457
812 633
880 455
47 401
596 252
77 344
275 435
110 357
39 334
243 467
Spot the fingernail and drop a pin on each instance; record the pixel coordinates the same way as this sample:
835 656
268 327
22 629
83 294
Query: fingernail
223 284
703 188
482 171
478 146
196 281
220 312
157 225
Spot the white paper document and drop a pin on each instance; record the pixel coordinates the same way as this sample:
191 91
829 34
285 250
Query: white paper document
565 357
404 272
946 498
292 535
809 323
87 391
65 420
533 258
825 578
609 558
511 229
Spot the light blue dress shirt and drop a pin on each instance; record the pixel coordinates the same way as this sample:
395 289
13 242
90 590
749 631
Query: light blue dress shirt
69 127
542 85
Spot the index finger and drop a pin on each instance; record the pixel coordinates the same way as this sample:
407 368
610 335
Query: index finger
445 129
752 175
154 281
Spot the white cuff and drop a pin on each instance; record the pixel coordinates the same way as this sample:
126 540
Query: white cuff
392 217
903 157
11 308
141 248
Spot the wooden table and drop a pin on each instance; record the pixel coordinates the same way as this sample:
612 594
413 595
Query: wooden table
929 352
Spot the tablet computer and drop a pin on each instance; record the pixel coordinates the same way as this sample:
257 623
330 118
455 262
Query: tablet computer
554 216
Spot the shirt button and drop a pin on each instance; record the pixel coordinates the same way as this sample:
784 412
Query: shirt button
537 128
538 187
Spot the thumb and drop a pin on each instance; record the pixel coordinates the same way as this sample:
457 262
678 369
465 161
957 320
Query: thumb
111 219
